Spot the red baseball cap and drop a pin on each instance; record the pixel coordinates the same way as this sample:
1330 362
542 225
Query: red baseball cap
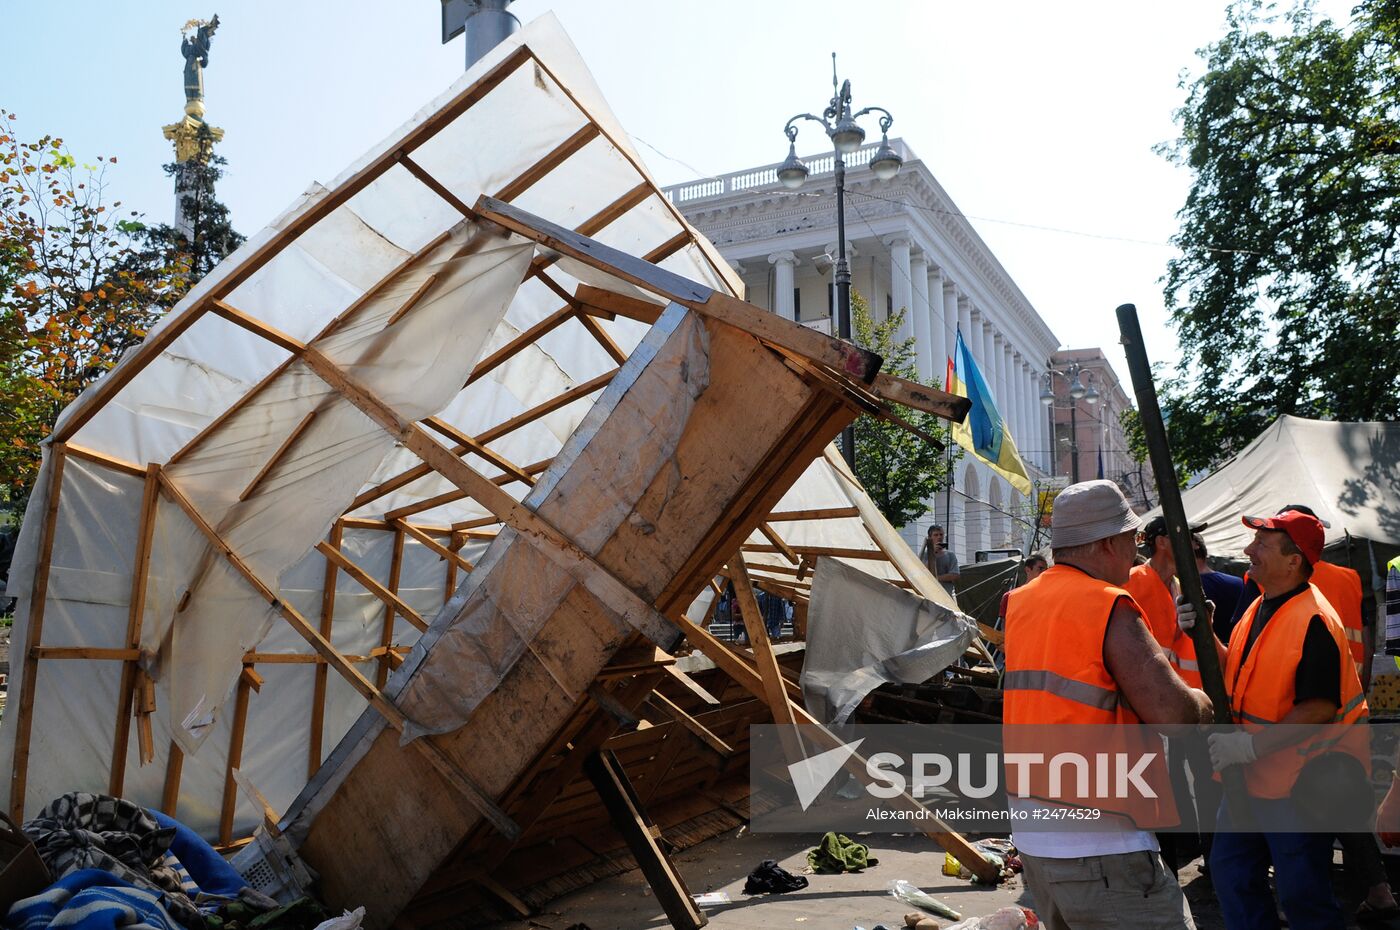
1304 529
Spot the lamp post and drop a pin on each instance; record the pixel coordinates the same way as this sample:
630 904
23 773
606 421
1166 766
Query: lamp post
1077 392
846 136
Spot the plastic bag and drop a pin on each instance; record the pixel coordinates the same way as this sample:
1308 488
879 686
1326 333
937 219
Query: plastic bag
910 894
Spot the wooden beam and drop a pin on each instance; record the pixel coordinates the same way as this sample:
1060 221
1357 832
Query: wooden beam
435 755
846 358
528 337
392 602
34 635
453 557
258 327
834 551
386 637
414 300
672 710
174 766
84 652
628 817
106 461
481 450
434 185
610 302
277 455
827 513
544 166
921 397
235 757
777 541
270 818
691 685
595 330
314 750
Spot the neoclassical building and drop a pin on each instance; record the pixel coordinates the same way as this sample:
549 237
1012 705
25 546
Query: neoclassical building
908 246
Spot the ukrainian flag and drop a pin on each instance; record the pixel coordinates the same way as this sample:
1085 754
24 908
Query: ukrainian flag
983 432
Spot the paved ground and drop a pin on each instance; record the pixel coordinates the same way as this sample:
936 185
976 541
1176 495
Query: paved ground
830 902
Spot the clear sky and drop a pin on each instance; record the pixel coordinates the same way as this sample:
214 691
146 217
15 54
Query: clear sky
1039 119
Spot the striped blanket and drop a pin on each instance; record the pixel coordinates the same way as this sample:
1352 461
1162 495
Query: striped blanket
90 899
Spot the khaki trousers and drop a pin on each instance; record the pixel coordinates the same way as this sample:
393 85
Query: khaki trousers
1106 893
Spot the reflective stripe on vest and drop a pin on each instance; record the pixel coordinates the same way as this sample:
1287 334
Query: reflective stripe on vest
1077 691
1158 608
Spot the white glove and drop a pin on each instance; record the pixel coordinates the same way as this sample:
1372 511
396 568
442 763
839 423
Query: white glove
1227 749
1186 613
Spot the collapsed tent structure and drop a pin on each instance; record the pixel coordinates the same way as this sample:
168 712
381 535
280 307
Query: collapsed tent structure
386 530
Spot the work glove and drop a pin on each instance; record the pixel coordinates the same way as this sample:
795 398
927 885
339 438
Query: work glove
1234 748
1186 614
1388 817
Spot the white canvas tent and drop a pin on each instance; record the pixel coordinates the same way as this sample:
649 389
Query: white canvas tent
1349 473
235 539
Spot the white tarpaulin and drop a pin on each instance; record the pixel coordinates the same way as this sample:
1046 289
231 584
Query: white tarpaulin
229 424
1349 473
863 633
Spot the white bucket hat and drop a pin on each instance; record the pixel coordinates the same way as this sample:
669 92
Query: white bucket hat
1090 511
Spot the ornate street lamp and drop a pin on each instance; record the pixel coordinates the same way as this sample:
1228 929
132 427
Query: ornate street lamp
1077 392
846 135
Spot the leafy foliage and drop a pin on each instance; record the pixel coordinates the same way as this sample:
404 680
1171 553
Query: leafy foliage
1286 298
79 285
900 471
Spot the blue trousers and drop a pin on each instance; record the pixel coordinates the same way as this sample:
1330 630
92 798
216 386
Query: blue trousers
1239 867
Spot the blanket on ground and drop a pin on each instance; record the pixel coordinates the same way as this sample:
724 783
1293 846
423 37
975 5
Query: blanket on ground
90 899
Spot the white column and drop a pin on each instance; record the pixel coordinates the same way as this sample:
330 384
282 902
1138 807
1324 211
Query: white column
1047 433
986 349
1002 350
1017 387
937 339
783 264
951 319
971 335
901 280
919 317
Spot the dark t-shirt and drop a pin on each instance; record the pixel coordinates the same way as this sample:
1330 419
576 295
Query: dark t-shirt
1319 673
1225 591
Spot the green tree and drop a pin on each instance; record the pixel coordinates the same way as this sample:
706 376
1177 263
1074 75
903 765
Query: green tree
1285 297
900 471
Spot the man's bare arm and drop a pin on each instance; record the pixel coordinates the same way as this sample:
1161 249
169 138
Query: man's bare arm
1145 677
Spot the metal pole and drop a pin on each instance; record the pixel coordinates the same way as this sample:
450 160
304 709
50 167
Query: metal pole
1188 576
843 295
1073 441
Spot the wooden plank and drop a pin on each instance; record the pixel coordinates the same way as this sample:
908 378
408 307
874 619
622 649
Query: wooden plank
769 673
777 541
528 337
595 330
413 300
34 635
386 638
235 757
672 710
107 461
454 558
610 302
270 818
257 327
827 513
314 746
277 455
921 397
454 546
174 766
835 551
480 449
844 357
631 821
434 185
544 166
393 603
691 685
84 652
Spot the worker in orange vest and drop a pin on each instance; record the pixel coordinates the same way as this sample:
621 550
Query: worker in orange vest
1155 589
1287 663
1079 652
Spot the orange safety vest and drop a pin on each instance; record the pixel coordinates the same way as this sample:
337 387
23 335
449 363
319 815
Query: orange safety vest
1055 674
1342 588
1261 690
1158 607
